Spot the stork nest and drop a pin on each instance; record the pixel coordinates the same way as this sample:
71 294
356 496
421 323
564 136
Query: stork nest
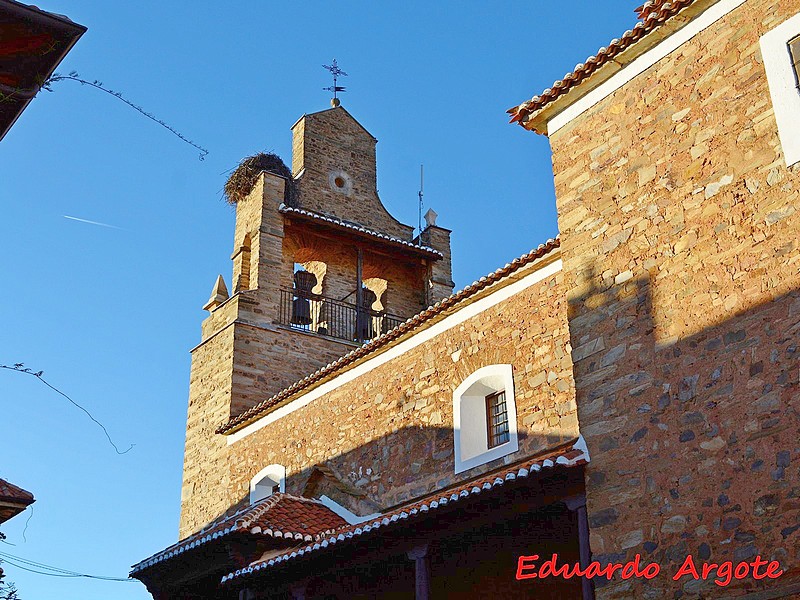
244 177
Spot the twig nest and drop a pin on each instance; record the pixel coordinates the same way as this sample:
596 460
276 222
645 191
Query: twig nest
244 177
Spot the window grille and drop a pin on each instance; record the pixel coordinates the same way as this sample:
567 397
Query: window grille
497 419
794 50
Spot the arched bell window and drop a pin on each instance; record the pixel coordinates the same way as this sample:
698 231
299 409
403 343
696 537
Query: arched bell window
242 266
303 285
364 319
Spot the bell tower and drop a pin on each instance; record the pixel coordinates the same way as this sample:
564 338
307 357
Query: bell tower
319 268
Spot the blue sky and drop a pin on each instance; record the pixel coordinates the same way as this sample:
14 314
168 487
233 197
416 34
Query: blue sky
110 314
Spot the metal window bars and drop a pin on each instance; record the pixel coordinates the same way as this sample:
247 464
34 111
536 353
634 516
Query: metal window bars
497 419
314 313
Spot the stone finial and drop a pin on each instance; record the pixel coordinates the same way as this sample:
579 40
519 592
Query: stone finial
218 295
430 218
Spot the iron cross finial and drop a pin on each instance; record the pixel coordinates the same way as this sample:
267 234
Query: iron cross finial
336 72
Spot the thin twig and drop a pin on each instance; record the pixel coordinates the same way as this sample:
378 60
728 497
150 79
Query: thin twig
28 520
20 368
74 76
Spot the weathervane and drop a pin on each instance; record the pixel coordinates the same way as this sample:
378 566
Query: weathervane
336 72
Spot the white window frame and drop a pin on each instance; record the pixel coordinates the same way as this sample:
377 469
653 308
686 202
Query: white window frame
783 85
274 474
470 431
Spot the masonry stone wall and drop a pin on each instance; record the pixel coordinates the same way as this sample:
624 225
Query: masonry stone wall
246 355
389 432
679 229
235 368
332 142
441 285
209 402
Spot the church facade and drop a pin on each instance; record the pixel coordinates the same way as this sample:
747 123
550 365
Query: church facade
356 430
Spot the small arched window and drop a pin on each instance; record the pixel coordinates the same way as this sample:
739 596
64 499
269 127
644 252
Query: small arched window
484 417
242 265
268 481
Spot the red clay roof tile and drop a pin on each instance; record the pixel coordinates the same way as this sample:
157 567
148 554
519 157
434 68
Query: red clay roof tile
355 228
12 493
653 14
279 516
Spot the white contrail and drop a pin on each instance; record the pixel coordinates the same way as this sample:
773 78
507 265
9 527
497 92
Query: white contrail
91 222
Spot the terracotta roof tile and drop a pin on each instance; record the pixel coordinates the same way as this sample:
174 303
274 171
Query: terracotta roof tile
649 7
653 14
569 455
12 493
253 413
279 516
359 229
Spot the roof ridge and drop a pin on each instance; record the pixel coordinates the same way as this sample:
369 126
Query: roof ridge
303 498
654 13
408 325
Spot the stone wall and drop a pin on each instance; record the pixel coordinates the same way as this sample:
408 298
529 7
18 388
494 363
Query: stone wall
235 368
331 145
204 451
441 285
246 356
679 236
389 432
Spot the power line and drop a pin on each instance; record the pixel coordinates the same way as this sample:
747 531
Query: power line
43 569
20 368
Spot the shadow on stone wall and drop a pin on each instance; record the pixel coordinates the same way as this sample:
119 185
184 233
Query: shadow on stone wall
693 439
474 543
392 470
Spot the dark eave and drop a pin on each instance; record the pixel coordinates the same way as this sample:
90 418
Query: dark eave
571 454
360 232
13 500
32 44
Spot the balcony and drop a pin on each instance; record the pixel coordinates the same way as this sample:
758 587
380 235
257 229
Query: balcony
320 315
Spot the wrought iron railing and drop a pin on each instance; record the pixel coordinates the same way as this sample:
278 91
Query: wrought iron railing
319 314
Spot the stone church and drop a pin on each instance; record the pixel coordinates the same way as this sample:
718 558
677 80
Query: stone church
626 392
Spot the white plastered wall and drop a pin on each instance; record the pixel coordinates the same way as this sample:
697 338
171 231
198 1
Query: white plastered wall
783 85
469 417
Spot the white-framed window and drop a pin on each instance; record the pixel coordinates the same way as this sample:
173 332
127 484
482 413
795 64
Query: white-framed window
269 480
484 417
780 50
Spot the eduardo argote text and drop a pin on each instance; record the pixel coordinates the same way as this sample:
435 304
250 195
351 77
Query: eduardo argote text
529 567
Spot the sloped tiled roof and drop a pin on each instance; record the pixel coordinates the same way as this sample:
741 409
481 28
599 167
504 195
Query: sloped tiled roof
360 230
331 369
569 455
12 493
649 7
653 14
279 516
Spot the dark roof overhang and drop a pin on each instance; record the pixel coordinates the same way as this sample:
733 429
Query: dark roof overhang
32 44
